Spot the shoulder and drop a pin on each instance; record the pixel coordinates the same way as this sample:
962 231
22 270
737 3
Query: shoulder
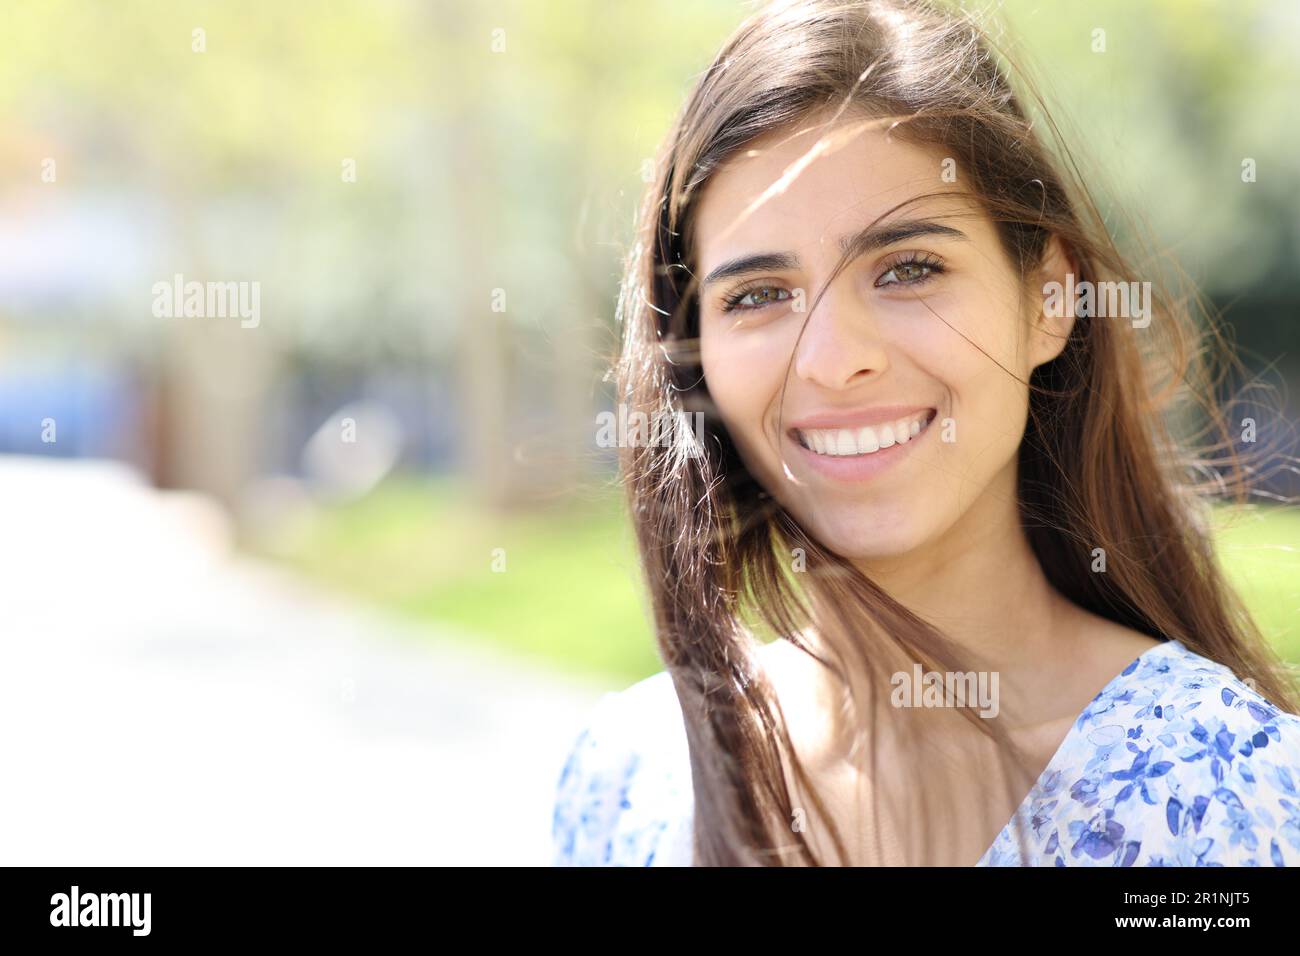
1177 762
623 797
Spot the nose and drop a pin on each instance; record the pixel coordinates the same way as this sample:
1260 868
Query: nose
841 345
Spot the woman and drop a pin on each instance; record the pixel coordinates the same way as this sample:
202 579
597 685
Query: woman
936 590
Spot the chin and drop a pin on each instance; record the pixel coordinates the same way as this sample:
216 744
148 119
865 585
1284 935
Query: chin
868 533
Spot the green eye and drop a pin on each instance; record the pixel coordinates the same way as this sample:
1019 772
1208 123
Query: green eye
762 296
912 271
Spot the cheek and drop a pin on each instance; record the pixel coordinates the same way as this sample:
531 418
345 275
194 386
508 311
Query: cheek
980 358
744 372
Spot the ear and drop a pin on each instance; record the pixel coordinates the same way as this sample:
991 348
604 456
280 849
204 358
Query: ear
1052 298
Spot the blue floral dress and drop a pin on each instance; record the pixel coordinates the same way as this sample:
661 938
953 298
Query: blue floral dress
1176 762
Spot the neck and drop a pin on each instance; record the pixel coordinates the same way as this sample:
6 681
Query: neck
981 583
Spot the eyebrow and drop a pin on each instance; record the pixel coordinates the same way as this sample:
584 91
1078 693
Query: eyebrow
854 245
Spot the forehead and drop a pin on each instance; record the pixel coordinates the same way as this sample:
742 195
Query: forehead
803 187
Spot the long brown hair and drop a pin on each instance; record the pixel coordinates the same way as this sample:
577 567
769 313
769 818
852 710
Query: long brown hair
1099 465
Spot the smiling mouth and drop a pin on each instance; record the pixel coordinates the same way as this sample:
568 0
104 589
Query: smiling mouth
859 442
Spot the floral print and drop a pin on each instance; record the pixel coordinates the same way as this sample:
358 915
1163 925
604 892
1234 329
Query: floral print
1176 762
624 795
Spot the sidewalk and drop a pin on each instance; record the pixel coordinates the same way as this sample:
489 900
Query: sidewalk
168 703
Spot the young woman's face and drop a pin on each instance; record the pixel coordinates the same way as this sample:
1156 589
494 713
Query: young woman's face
900 409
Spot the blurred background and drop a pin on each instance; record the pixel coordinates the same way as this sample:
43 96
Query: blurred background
334 579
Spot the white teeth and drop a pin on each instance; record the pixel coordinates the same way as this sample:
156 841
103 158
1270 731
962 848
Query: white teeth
841 442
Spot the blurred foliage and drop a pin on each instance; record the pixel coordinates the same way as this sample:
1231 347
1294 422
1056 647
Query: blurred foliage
242 144
1260 554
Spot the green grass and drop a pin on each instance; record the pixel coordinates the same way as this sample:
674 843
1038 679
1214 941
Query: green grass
571 595
1260 551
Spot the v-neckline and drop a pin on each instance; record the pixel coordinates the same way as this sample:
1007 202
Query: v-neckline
1069 737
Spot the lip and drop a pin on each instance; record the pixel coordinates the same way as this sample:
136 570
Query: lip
859 467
